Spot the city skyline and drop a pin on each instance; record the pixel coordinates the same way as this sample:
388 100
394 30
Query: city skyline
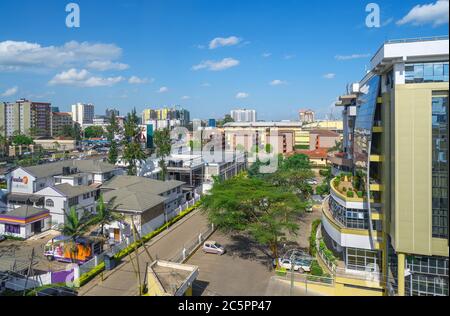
200 61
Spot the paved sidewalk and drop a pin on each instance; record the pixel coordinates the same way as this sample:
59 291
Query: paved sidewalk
122 280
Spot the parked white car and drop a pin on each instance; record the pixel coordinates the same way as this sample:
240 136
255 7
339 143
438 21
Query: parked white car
213 247
286 264
312 182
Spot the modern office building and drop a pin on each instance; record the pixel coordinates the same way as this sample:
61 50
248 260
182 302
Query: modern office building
59 121
387 221
27 117
243 115
83 113
307 116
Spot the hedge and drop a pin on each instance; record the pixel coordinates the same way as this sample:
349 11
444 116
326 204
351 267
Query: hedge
85 278
350 194
316 269
327 252
312 238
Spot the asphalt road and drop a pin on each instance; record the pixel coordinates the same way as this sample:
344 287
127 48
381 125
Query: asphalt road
122 281
244 270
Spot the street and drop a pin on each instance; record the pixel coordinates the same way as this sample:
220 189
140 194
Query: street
122 281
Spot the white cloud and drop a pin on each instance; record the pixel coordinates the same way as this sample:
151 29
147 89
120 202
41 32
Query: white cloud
137 80
329 76
107 65
434 13
10 92
353 56
277 82
266 55
287 56
242 95
83 78
217 65
221 42
21 55
185 97
163 90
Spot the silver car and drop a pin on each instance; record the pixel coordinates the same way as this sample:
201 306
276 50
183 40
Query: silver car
213 247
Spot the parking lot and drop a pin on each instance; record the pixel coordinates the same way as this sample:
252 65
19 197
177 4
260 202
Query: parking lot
21 251
246 268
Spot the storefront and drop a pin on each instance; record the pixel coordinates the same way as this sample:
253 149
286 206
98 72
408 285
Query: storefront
24 222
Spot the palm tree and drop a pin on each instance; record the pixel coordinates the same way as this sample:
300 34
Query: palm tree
75 227
106 213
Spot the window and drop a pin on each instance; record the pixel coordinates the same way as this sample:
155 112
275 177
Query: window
12 229
426 72
49 203
362 260
440 165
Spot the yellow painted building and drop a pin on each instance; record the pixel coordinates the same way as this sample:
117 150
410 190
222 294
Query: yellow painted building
390 227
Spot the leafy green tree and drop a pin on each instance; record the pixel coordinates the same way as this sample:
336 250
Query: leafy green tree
112 130
163 145
294 180
133 152
19 139
106 213
113 153
255 206
94 132
297 161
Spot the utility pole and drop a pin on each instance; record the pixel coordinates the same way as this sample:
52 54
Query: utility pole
292 278
28 272
137 260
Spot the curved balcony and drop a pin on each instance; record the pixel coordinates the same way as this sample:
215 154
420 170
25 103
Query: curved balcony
346 236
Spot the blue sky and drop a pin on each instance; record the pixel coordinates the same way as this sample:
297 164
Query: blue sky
276 56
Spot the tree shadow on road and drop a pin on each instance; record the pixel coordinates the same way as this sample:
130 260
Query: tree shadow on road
246 248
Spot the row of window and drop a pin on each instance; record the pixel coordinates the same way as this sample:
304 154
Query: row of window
350 218
426 72
362 260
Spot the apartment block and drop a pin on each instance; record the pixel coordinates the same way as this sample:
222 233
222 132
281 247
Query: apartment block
243 115
26 117
83 113
59 121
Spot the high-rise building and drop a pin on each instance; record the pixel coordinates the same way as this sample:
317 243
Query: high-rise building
307 116
59 120
83 113
26 117
387 221
166 117
243 115
109 112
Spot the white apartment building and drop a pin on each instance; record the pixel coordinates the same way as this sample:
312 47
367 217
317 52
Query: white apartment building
83 113
243 115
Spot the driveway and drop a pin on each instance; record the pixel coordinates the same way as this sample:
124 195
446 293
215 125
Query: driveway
244 270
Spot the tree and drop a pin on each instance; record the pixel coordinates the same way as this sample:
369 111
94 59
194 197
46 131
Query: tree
226 119
94 132
294 180
163 149
255 206
4 143
113 153
106 213
112 130
133 151
297 161
19 139
75 227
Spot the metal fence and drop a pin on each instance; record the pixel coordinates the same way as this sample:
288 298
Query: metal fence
189 248
116 248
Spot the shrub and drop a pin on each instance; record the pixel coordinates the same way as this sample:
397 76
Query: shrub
350 194
336 182
312 238
360 194
344 189
316 269
342 177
